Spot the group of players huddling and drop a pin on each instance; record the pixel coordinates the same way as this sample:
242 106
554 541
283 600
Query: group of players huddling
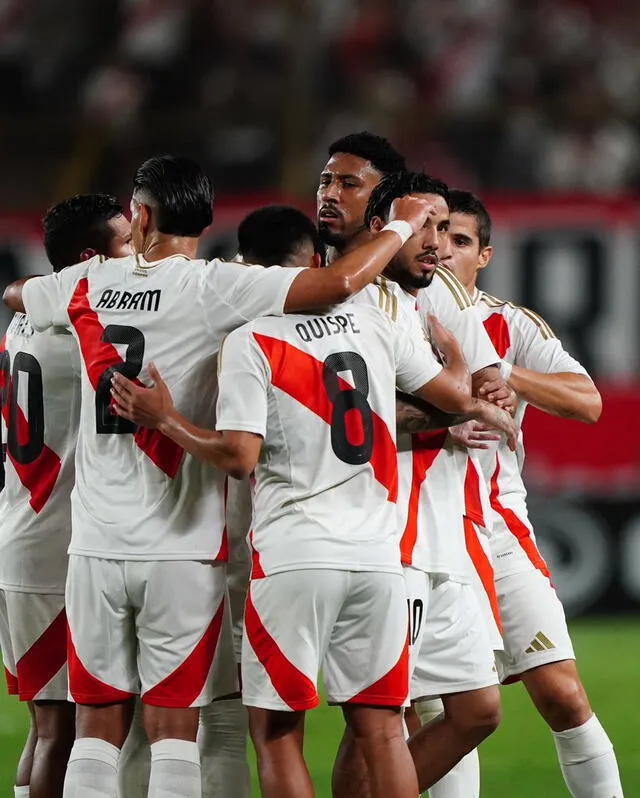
224 477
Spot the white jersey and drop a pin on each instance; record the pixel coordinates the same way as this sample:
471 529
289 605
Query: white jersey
138 496
320 389
524 339
40 391
438 483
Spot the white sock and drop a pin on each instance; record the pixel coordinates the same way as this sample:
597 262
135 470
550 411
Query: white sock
588 762
92 771
135 760
21 792
175 770
222 740
463 780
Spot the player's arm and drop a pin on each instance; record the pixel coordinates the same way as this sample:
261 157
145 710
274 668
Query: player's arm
12 295
232 451
565 394
545 375
317 288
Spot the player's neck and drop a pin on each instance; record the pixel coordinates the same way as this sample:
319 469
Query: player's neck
471 286
160 246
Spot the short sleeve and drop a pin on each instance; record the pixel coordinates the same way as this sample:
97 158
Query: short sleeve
245 292
46 299
415 363
538 349
243 380
447 299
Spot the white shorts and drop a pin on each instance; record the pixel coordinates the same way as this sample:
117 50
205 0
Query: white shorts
33 638
353 625
451 651
483 580
534 626
151 628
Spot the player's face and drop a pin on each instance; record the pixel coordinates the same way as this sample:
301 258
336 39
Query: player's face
345 186
414 265
120 241
466 257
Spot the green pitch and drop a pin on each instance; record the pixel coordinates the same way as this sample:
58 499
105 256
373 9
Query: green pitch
519 759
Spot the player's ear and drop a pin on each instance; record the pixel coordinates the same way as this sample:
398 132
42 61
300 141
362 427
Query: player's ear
316 261
144 215
87 254
376 224
485 257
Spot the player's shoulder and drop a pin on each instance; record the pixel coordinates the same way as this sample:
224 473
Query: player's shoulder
447 286
516 315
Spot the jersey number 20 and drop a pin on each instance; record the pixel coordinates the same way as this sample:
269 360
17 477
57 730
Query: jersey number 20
347 403
23 451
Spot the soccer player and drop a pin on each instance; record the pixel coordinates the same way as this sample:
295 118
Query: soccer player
148 519
40 404
356 166
274 234
309 402
280 235
538 648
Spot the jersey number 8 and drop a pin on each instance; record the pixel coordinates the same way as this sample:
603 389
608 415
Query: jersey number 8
346 402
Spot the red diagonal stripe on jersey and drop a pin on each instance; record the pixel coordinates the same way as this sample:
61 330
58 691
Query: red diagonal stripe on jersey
294 688
85 688
425 447
257 571
182 687
483 567
98 357
37 667
517 528
498 330
38 477
472 501
392 689
300 375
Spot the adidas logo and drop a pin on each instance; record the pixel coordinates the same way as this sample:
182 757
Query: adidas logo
539 643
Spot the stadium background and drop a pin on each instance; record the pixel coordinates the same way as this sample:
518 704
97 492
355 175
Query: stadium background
534 105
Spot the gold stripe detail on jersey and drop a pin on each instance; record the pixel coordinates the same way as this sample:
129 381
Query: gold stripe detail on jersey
387 300
541 324
463 300
222 343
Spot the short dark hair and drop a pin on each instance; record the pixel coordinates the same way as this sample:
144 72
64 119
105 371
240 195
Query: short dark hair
466 202
180 193
76 224
400 185
379 151
270 235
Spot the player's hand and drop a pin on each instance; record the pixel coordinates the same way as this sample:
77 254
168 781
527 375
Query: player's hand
495 417
499 393
444 341
147 407
473 435
412 209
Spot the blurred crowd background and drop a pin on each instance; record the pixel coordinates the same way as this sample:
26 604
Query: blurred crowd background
507 95
535 104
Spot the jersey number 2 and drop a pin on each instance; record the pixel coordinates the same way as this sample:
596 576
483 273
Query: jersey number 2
23 451
107 423
347 404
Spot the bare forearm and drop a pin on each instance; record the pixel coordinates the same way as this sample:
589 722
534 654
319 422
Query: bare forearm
317 288
565 394
413 415
12 296
489 374
204 444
